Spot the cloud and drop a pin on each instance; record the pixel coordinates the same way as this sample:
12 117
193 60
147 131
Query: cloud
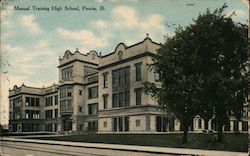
100 24
239 15
42 44
27 63
136 25
123 19
85 38
125 16
246 2
29 22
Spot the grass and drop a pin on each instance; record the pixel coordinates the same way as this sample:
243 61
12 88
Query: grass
232 142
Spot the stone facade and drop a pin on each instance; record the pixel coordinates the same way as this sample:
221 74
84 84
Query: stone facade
33 109
101 94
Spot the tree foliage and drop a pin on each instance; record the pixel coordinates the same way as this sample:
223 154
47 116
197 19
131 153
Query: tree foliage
203 70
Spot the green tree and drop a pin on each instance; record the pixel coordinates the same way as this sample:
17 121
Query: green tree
201 68
224 55
180 78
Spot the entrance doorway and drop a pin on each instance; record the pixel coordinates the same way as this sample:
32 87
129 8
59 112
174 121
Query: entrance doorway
66 123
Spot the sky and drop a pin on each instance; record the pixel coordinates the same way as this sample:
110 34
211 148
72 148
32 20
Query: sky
33 40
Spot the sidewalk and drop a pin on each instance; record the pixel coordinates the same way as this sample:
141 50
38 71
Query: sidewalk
148 149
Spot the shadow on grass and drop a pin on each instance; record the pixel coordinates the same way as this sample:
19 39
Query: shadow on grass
232 142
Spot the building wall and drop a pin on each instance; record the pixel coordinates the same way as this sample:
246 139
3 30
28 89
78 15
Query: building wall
29 121
140 126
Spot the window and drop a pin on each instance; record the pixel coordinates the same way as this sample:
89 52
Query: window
115 100
93 109
199 123
27 101
121 124
126 123
69 92
10 102
155 74
66 105
17 102
244 126
93 92
67 73
92 79
17 115
80 126
80 108
49 101
127 75
138 95
105 101
66 92
48 127
56 100
37 100
105 124
114 78
120 55
92 126
10 116
30 101
162 124
137 123
80 92
19 127
236 126
120 76
121 99
105 80
138 71
245 111
89 70
127 98
32 114
48 114
56 113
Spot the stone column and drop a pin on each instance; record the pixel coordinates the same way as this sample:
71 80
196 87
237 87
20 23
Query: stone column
209 124
147 122
240 126
231 125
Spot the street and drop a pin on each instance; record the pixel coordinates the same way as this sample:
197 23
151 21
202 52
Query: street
34 149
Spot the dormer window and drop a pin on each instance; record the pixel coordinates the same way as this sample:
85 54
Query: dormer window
120 53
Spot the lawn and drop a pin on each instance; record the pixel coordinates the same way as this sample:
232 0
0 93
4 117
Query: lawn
232 142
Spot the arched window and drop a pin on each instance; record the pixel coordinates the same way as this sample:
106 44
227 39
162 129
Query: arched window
120 55
93 56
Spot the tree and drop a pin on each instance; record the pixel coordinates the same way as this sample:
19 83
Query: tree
201 67
180 78
225 56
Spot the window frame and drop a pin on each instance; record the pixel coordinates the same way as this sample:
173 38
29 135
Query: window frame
138 71
105 80
105 101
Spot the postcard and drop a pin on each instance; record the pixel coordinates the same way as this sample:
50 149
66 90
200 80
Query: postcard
73 76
